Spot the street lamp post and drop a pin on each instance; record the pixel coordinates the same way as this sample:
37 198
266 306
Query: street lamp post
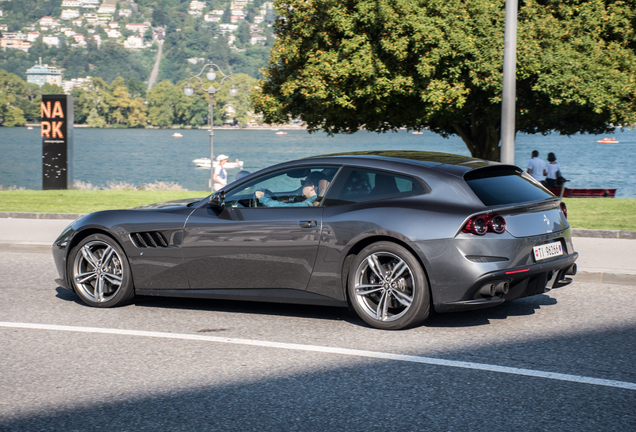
189 91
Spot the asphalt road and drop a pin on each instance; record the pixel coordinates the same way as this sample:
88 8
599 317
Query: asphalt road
560 361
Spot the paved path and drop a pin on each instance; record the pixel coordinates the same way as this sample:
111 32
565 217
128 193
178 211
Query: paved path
155 69
601 259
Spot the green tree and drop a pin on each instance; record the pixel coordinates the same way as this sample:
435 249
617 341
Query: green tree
241 103
12 90
386 64
91 103
243 33
160 104
120 104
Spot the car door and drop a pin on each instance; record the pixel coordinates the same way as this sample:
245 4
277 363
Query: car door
248 245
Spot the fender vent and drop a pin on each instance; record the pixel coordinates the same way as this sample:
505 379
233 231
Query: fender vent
151 239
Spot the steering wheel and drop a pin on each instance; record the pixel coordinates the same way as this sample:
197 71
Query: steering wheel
268 193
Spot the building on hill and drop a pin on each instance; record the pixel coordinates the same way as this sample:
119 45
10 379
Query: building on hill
51 41
42 74
21 45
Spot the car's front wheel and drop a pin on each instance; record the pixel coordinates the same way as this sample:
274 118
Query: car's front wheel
99 272
388 288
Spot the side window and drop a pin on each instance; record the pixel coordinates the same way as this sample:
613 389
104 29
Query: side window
360 185
292 187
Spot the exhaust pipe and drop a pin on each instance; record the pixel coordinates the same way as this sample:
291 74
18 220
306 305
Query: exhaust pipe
487 290
502 288
571 271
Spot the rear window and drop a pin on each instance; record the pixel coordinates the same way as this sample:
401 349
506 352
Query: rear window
505 185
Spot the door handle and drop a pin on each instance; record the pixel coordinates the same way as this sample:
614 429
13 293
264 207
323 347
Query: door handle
307 224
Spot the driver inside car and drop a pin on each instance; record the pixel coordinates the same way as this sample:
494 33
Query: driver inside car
310 193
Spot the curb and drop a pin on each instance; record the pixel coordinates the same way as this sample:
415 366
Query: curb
24 215
580 232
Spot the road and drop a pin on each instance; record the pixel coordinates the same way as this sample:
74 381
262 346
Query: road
560 361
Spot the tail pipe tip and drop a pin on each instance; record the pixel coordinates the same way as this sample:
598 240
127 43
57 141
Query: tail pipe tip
502 288
572 270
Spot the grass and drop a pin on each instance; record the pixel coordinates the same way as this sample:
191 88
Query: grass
85 201
602 213
590 213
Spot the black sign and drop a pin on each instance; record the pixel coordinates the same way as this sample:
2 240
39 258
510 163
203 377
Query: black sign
57 141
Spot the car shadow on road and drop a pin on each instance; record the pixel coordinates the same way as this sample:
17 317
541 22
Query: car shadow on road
520 307
480 317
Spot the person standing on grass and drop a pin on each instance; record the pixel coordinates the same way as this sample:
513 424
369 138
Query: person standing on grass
220 174
536 167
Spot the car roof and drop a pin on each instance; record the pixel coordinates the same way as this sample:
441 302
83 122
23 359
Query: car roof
445 162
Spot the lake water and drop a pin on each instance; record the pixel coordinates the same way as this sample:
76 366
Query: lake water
141 156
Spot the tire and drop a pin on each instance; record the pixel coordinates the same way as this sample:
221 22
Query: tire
383 299
99 272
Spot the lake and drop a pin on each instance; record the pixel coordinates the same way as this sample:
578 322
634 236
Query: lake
141 156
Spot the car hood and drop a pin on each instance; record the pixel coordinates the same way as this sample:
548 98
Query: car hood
175 203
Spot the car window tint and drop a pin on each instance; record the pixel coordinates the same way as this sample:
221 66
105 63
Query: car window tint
366 185
285 186
500 186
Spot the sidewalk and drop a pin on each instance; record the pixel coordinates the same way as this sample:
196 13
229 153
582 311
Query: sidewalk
604 256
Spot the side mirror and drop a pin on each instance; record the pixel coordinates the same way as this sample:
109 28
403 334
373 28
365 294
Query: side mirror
218 199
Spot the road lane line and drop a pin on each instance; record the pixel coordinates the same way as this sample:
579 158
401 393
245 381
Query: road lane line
333 350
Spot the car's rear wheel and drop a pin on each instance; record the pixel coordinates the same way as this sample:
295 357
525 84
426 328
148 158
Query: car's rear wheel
99 272
388 288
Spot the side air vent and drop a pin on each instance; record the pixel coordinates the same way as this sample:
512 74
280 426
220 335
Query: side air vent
151 239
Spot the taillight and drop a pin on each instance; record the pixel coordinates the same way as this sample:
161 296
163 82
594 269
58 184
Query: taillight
481 224
564 209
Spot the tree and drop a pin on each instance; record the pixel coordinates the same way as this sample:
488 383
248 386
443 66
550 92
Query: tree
91 103
386 64
12 90
160 104
120 103
243 33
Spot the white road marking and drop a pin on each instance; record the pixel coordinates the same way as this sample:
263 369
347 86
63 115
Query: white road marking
334 350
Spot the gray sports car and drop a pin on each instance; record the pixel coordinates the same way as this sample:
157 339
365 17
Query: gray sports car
389 233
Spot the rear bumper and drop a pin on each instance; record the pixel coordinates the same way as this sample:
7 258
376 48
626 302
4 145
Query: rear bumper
523 281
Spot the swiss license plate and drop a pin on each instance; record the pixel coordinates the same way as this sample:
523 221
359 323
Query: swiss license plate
548 250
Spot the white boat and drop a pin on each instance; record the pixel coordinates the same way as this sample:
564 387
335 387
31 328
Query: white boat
177 135
281 133
205 163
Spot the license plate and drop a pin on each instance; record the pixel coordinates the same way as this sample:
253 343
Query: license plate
547 251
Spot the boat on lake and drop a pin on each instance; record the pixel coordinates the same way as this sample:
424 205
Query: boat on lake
281 133
417 133
177 135
205 163
608 141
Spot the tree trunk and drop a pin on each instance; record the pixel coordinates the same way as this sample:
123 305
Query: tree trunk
481 135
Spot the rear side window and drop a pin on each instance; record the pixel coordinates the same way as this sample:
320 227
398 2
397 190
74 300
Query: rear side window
360 185
505 185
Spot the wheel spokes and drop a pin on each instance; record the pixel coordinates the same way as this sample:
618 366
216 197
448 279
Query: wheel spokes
99 289
398 269
363 290
108 253
383 307
375 266
89 257
402 298
384 286
85 277
112 278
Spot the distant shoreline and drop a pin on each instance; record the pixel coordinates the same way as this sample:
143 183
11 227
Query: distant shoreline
285 127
